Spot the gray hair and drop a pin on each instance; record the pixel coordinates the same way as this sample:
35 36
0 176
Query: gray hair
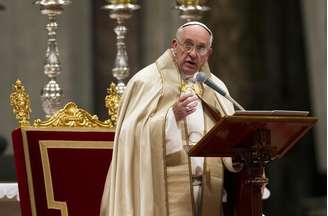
179 30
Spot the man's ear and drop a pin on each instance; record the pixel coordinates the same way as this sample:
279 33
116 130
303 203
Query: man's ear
174 43
210 51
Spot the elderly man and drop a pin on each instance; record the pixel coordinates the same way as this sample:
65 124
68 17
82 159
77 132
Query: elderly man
163 112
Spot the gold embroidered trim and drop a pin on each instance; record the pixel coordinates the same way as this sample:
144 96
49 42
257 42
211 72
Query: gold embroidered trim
190 185
164 147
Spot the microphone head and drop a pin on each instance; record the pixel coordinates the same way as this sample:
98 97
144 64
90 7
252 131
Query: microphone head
201 77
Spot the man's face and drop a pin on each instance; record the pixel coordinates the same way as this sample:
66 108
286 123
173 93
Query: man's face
192 49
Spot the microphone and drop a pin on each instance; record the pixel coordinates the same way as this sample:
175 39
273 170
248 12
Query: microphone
201 77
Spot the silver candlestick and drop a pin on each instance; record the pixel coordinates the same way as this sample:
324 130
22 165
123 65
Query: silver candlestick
52 96
121 10
191 9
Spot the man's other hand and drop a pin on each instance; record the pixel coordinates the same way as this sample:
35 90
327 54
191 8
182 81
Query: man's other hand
186 105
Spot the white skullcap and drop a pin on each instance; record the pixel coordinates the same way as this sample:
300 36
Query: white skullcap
199 24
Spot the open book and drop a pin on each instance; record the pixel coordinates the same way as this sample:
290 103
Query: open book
271 112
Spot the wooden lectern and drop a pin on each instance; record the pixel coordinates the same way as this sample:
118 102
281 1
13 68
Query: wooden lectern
256 138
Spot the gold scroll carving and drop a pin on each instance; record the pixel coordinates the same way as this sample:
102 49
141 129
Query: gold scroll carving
72 116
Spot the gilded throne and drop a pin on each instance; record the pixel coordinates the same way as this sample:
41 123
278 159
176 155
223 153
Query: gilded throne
61 162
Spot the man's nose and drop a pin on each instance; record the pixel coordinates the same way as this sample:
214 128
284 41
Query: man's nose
193 52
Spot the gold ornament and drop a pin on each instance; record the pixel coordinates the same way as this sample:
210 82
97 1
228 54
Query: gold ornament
184 87
112 101
21 105
195 87
72 116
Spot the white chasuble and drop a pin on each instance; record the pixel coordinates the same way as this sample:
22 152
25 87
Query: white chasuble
146 177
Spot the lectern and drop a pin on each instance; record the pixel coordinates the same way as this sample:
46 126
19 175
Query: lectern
256 138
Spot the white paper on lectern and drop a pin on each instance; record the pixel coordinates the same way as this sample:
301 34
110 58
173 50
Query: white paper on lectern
271 112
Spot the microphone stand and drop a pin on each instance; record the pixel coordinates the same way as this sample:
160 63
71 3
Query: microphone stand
234 102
